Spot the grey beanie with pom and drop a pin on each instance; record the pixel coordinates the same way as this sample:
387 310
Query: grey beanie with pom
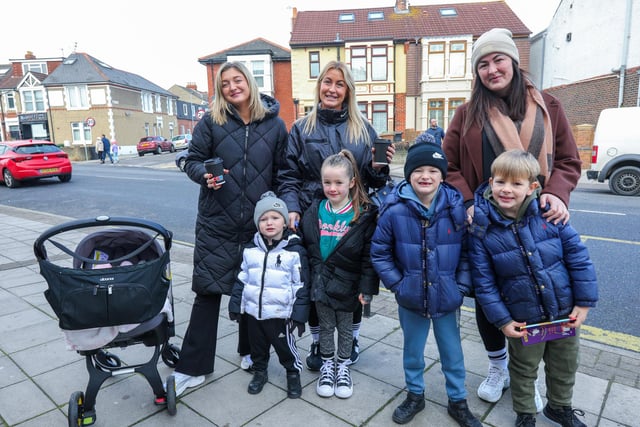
270 202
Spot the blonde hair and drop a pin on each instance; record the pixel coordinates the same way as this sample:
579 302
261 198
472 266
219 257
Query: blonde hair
221 108
514 164
344 159
356 122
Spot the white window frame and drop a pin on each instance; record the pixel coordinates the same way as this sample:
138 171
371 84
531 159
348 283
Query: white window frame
147 102
77 97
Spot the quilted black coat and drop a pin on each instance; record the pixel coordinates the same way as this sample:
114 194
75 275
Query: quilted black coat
252 153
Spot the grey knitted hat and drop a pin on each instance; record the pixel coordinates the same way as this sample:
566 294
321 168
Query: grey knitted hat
269 202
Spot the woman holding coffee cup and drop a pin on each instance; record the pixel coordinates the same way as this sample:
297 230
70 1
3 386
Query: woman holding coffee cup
240 117
334 123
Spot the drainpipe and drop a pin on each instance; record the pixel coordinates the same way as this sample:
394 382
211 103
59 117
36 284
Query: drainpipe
625 51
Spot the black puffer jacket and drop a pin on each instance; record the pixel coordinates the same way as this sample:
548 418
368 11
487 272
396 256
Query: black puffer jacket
300 181
252 153
347 272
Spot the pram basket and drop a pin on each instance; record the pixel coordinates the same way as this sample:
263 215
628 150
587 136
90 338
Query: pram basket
116 293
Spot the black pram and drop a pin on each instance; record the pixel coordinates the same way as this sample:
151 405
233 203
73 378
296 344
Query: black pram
115 291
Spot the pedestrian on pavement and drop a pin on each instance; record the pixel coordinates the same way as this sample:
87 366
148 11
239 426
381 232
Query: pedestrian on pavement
506 111
334 123
244 130
418 240
106 149
115 149
436 131
337 232
100 149
527 270
273 289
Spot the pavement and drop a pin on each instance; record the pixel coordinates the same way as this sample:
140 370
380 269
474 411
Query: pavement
38 374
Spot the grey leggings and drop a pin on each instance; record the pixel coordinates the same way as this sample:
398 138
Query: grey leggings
330 320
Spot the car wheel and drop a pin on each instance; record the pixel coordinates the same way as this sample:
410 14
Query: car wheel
172 149
625 181
181 164
158 150
64 178
140 154
9 180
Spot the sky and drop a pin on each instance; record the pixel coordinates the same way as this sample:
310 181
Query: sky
162 41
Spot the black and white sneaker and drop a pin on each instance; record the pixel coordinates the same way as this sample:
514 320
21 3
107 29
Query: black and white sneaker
327 379
344 386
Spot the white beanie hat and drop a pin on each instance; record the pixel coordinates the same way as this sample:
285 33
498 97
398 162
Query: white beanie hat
494 40
269 202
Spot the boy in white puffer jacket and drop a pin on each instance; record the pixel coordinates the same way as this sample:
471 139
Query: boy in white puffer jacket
272 288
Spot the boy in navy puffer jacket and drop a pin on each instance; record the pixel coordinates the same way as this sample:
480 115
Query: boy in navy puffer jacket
528 270
416 251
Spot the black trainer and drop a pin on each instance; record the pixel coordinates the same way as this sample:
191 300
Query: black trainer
526 420
294 388
565 416
408 409
314 360
355 352
460 412
260 378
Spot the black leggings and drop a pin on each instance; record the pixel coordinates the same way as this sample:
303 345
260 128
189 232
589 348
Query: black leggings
492 337
313 316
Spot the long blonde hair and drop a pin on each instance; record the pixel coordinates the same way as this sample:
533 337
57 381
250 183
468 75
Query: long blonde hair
356 122
221 108
344 159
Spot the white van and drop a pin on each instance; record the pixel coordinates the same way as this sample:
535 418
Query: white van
616 150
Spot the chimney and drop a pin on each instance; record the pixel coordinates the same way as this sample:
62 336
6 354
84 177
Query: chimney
29 55
192 85
401 6
294 17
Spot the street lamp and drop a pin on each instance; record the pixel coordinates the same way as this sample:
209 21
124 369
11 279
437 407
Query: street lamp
2 134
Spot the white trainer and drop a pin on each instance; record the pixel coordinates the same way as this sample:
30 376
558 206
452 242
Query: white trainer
246 363
492 387
327 379
344 386
184 382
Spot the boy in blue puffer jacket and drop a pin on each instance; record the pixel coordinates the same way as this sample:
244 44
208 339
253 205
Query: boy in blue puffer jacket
416 252
528 270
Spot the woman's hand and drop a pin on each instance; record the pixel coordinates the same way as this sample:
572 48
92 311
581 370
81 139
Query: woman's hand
294 221
557 209
391 151
212 182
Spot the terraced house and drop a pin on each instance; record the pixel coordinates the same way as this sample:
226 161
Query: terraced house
410 63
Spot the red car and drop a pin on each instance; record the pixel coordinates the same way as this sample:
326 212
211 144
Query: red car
155 145
32 159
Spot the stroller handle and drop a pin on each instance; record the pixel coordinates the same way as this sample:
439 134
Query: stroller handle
100 221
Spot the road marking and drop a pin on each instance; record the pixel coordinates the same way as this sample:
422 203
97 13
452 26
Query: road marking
126 178
609 239
599 212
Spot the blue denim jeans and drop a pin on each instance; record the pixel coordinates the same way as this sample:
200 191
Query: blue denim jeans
447 333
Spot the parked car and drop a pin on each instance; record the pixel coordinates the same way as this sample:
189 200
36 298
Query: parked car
615 154
181 159
32 159
155 145
181 142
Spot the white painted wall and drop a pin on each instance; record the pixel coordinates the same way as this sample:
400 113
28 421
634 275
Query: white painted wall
596 45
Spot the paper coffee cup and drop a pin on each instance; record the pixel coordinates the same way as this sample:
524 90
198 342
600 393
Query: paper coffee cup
380 154
216 168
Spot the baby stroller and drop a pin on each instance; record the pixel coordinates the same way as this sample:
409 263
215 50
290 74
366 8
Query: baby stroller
114 292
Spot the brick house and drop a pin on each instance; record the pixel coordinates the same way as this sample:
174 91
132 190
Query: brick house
410 63
191 104
269 63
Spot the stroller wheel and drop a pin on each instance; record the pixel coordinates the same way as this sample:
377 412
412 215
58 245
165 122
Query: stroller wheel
170 355
76 409
107 360
171 395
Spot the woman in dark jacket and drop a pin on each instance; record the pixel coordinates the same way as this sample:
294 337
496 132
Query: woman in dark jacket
334 123
244 130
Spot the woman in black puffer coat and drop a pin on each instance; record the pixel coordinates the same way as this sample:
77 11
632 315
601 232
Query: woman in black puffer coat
243 128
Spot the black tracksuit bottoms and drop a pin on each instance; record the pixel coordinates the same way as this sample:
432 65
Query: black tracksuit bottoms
272 332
